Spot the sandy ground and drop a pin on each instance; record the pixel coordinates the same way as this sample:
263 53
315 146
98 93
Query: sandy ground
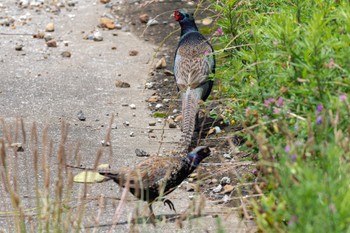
39 85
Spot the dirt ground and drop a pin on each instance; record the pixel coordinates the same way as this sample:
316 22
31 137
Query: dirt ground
44 85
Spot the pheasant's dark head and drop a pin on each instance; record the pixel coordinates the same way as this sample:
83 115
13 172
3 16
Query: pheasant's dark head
198 154
183 16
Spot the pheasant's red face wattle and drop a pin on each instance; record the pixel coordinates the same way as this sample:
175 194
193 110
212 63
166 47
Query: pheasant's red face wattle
178 16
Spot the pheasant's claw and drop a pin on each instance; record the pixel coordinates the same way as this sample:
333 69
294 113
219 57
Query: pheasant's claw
170 204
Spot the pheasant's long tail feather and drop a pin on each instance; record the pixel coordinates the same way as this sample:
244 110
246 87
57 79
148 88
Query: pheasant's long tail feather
189 110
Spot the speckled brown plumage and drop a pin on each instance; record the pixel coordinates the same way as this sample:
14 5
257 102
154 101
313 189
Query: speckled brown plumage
156 177
194 61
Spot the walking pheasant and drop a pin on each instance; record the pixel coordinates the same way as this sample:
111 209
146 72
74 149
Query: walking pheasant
194 61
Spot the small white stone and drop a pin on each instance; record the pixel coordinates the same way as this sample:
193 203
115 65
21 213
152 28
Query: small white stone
217 189
225 180
158 106
217 129
159 120
132 106
98 36
104 143
132 134
126 123
166 101
227 156
149 85
134 114
175 111
226 198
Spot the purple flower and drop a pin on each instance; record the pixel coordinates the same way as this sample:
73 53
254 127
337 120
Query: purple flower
319 120
293 220
219 32
294 157
280 102
276 110
342 97
319 109
287 149
268 102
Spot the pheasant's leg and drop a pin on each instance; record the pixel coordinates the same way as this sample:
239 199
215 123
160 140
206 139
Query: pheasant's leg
169 203
152 217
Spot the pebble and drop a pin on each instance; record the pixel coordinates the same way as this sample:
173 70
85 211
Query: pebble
133 53
158 106
149 85
161 63
144 18
105 1
104 143
132 134
207 21
126 123
214 180
19 47
141 153
66 54
225 180
48 37
51 43
81 116
107 23
18 146
175 111
227 156
166 101
226 198
152 123
50 27
114 126
171 123
217 189
125 104
134 114
152 22
132 106
159 120
217 129
97 36
153 99
122 84
228 188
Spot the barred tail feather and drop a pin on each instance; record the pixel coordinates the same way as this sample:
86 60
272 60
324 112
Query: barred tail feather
189 110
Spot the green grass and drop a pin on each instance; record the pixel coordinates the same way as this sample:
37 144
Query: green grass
283 67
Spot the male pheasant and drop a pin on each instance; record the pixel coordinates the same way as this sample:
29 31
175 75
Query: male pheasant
156 177
194 61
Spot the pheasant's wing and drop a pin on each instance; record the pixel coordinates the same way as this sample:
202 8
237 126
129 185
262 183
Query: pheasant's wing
194 61
154 172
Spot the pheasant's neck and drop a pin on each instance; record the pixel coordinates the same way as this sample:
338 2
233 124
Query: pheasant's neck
188 27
